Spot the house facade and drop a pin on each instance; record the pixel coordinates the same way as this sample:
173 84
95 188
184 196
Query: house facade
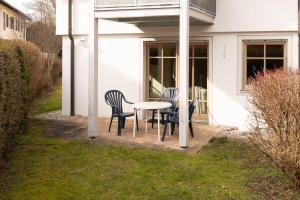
139 51
12 22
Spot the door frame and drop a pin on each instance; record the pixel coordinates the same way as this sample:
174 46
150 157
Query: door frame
144 93
148 64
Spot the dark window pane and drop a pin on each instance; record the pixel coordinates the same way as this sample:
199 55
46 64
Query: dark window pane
169 73
169 50
191 79
4 21
154 51
190 73
254 67
7 21
272 64
255 50
191 51
201 51
200 73
275 51
155 85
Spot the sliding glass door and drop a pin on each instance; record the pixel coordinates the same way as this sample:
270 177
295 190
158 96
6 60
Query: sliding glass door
198 78
162 68
162 72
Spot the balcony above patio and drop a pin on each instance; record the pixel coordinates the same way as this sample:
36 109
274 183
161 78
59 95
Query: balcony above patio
155 12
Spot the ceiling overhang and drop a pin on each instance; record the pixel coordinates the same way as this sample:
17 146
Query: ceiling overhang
148 16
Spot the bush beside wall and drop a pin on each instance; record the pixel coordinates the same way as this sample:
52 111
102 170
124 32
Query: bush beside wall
23 77
10 95
275 112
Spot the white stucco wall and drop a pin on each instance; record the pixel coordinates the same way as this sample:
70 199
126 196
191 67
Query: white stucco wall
229 103
119 68
121 53
232 16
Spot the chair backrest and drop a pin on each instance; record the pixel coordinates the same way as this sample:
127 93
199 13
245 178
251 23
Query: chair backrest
115 98
170 95
191 109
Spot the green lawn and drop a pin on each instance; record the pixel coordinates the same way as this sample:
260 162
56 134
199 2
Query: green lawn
51 102
44 168
49 168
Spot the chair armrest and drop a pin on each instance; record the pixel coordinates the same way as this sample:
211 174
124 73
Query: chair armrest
128 102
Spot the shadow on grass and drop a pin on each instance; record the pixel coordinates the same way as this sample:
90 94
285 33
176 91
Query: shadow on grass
44 167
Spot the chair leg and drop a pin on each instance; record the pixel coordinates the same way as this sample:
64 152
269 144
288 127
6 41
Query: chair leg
120 122
191 128
165 131
137 122
172 128
123 124
153 115
162 118
110 123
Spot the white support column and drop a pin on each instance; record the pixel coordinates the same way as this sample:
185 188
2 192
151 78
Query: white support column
184 73
93 75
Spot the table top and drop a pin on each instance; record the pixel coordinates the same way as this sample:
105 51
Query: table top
154 105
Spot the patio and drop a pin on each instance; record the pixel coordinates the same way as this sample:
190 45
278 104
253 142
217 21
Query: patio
76 128
183 13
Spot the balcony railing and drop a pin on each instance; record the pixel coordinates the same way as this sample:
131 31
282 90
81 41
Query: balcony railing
205 5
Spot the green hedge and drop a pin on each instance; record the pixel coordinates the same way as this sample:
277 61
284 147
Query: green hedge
22 78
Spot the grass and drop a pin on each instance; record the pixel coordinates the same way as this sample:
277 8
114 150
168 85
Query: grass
51 102
43 167
49 168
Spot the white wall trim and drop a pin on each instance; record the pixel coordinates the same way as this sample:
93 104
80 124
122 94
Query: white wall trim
143 12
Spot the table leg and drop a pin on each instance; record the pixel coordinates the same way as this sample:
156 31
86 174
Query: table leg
158 125
134 123
146 121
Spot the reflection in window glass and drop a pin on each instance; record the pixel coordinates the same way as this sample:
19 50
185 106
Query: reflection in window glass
200 73
273 64
200 51
262 57
162 68
275 51
191 73
169 50
154 51
254 67
255 50
155 85
169 73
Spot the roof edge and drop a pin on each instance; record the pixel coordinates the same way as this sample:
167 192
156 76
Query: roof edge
15 9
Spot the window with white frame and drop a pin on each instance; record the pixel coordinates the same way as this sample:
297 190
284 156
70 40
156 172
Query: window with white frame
261 56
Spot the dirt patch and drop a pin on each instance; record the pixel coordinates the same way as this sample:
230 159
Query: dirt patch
65 129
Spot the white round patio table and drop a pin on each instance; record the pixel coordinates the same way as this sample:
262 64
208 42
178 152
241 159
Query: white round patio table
150 106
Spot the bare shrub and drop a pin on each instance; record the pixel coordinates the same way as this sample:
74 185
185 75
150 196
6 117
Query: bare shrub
56 71
275 119
41 32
